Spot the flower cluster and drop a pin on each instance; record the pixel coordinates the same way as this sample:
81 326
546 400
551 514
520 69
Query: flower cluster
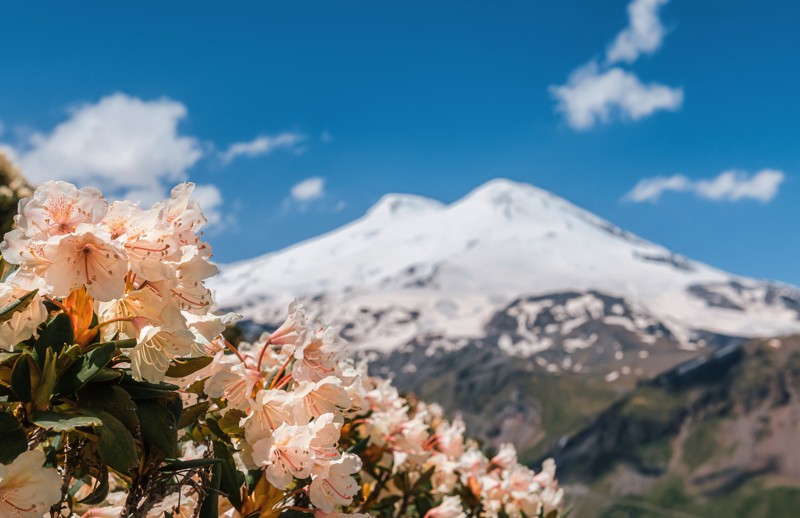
120 396
143 268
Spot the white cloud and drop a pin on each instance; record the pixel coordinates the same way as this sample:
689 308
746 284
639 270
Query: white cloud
592 96
263 145
120 144
596 94
644 33
727 186
309 189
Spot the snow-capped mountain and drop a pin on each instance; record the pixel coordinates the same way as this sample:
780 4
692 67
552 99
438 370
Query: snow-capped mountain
511 306
415 266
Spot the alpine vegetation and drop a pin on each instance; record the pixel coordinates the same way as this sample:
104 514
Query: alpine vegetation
120 395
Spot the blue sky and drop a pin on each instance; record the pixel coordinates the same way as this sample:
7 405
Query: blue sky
430 98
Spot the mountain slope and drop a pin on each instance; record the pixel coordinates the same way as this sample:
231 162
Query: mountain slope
716 437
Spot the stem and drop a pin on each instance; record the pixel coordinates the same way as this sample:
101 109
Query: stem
234 350
261 355
58 303
285 381
279 373
112 321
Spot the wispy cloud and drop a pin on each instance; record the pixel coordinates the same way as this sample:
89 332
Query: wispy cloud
128 147
644 33
727 186
308 190
120 143
263 145
592 96
597 93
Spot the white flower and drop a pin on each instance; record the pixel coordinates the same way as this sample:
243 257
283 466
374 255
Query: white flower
294 330
156 347
58 208
318 355
27 489
22 324
88 257
286 454
506 456
332 484
449 508
269 410
324 397
232 380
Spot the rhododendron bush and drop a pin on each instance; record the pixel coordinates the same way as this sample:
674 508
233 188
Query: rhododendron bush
120 396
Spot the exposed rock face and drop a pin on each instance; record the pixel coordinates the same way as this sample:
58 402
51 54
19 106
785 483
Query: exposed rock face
714 437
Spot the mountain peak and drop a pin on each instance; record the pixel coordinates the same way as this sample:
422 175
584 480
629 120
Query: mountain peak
393 205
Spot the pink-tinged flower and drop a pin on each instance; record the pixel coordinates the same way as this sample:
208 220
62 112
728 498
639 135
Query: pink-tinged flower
207 329
145 304
182 214
120 217
155 348
88 257
326 432
506 456
318 355
324 397
58 208
445 474
269 410
332 484
449 438
449 508
294 330
22 324
191 269
27 490
233 381
286 454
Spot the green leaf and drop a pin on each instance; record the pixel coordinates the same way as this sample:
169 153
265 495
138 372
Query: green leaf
62 422
21 304
86 368
114 400
43 389
158 426
213 425
145 390
127 343
359 447
186 366
13 439
56 335
117 446
210 508
231 479
7 357
100 492
21 378
106 374
192 414
229 423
